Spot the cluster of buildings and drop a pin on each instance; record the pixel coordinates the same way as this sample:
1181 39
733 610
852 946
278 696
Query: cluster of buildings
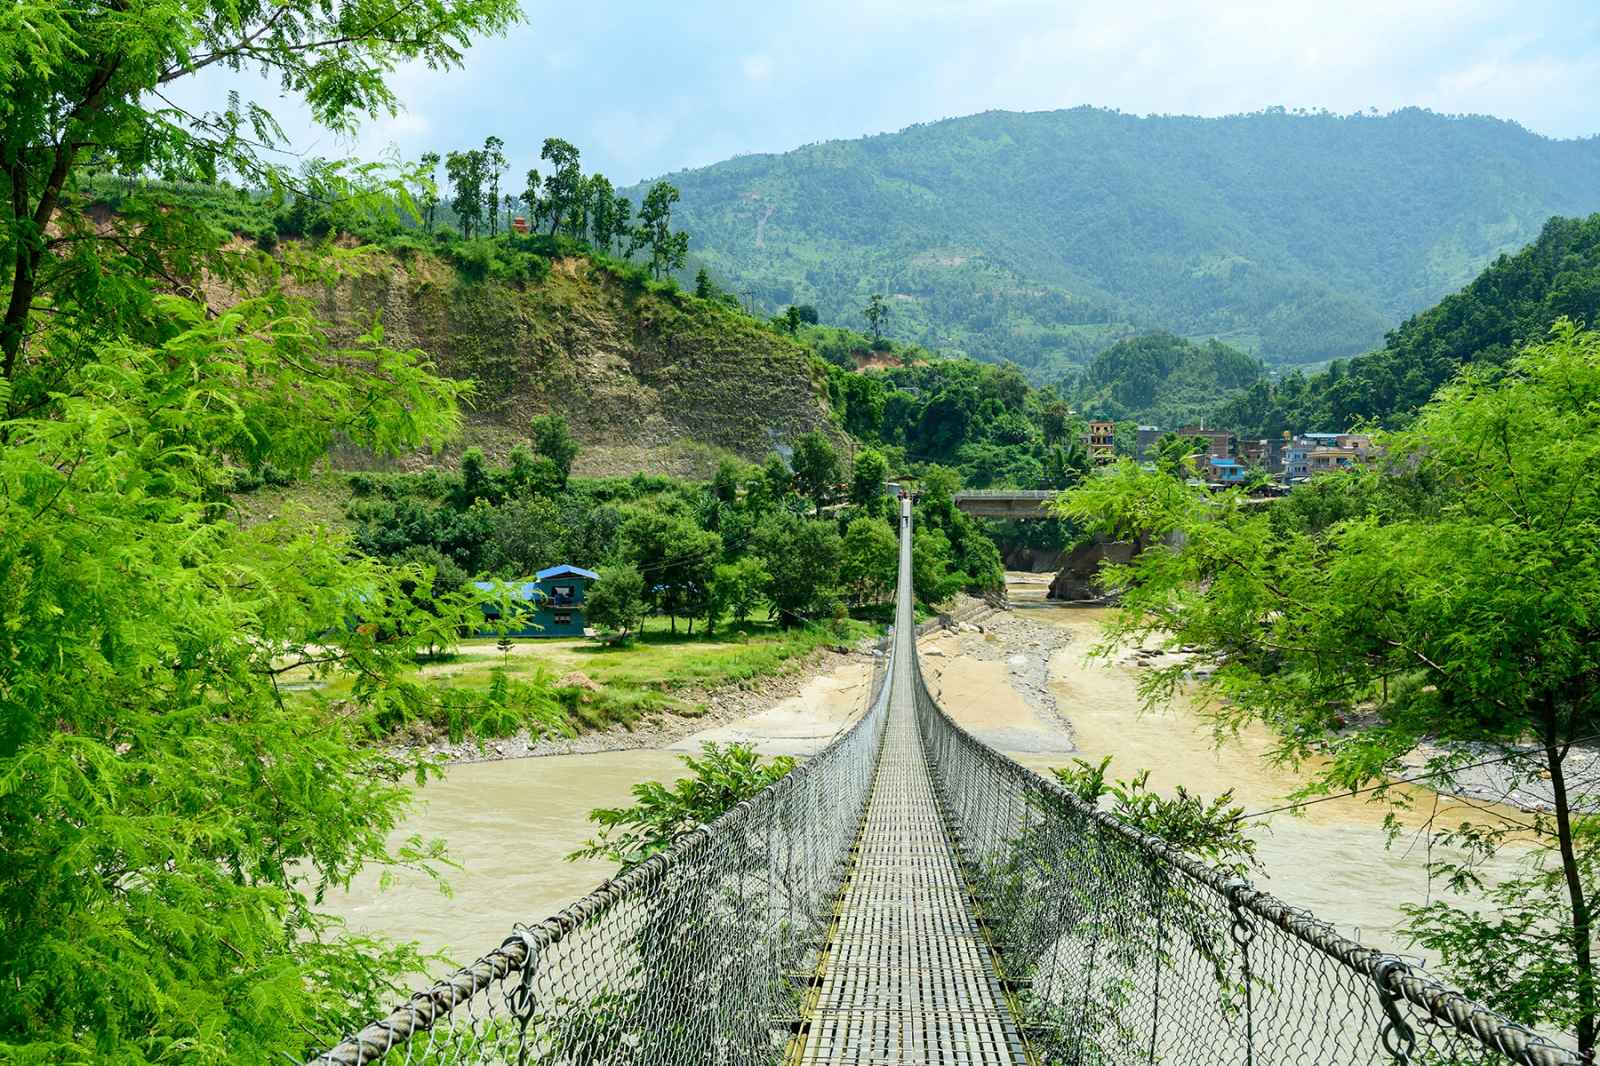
1228 460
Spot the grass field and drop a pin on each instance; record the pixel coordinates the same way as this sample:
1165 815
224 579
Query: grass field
481 690
656 659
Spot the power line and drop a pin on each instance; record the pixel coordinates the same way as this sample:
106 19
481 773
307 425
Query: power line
1403 781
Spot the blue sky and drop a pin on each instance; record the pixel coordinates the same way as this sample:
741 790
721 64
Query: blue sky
645 89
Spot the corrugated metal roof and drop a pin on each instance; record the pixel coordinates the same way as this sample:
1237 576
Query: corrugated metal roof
564 569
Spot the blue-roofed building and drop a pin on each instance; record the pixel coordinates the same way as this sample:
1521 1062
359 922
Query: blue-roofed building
553 599
1226 471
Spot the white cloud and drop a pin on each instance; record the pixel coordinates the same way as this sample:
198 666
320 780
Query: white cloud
756 67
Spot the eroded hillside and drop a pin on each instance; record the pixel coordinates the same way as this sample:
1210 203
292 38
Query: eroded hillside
648 380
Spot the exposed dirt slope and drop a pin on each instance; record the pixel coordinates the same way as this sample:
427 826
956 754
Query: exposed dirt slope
648 381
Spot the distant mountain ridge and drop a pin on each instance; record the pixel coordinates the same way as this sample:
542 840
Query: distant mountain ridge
1044 237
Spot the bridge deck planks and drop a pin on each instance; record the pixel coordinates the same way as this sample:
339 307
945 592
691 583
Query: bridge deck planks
909 977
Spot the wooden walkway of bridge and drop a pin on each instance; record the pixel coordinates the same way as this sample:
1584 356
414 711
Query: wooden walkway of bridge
908 975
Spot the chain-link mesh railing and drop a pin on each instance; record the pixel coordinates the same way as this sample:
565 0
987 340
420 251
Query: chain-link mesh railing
1125 950
697 955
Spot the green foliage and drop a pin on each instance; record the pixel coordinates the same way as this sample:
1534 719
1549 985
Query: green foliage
802 561
876 313
552 438
719 779
171 821
817 469
1160 378
1516 299
1448 597
1209 831
868 478
869 560
934 577
1298 237
616 602
676 556
668 248
737 587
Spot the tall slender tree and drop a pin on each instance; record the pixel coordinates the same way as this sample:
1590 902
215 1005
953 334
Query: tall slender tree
494 165
466 172
564 187
428 192
876 313
669 250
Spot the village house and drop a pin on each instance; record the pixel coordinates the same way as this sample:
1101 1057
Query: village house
1101 441
552 603
1220 443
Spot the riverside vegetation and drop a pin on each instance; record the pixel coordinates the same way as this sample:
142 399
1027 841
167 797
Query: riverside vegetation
1445 598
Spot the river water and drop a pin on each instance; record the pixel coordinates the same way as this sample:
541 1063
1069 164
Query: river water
509 824
1332 858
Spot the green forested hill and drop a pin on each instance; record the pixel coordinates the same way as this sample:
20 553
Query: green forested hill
1162 378
1044 237
1513 301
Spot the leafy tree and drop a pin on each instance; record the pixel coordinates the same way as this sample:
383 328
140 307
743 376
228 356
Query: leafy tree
802 558
616 602
677 558
738 586
721 778
868 478
1178 456
564 188
807 313
553 439
165 799
532 475
668 249
1449 599
933 577
80 94
726 481
438 584
601 209
428 194
621 223
869 559
533 198
817 469
494 165
525 536
466 171
1054 420
778 479
591 532
703 288
876 313
1213 832
791 320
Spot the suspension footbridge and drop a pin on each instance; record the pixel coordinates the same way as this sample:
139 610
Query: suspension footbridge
909 895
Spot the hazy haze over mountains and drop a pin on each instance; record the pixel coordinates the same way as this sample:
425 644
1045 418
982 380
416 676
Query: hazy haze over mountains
1043 237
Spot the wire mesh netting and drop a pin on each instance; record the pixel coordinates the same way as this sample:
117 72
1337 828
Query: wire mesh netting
699 954
1124 950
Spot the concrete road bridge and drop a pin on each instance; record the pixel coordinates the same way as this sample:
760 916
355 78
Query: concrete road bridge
1005 503
911 896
